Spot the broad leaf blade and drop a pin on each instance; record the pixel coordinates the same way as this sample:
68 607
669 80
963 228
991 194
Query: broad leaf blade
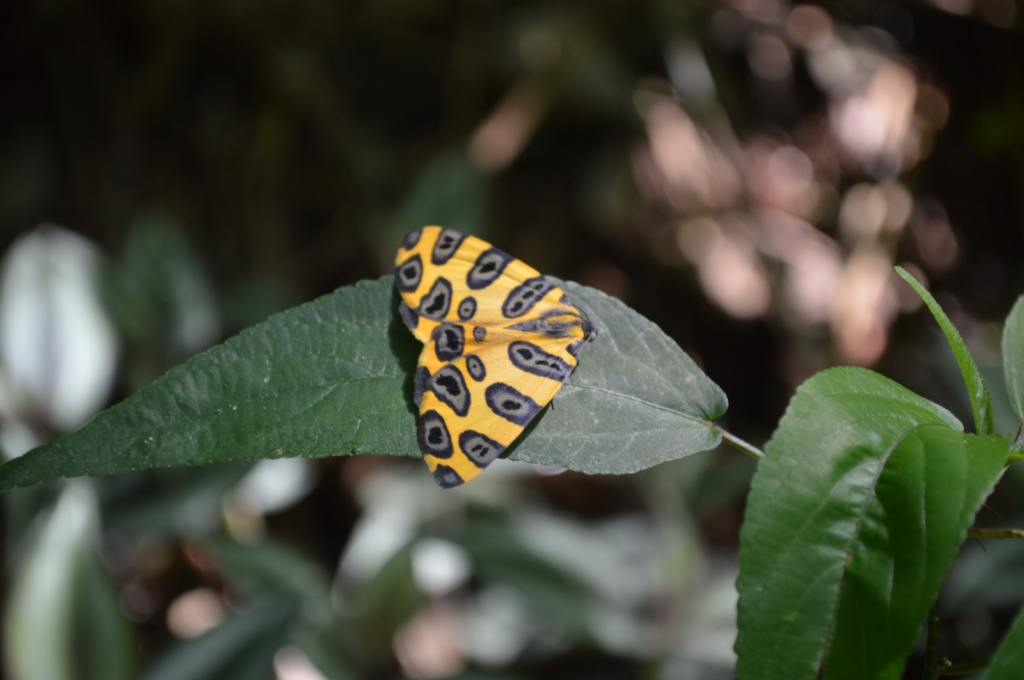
334 377
981 400
1008 663
1013 357
634 401
804 510
325 378
930 489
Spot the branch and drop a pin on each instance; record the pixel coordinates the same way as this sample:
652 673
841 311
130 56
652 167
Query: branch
995 533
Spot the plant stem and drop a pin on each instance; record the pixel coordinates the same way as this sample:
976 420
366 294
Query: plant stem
966 668
737 443
1016 456
934 664
995 533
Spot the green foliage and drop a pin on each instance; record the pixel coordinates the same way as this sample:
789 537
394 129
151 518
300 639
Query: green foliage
1013 357
862 500
241 648
334 377
981 400
305 382
64 622
1008 663
449 191
864 496
855 514
635 400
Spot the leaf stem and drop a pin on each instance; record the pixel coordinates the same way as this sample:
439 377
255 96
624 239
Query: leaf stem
934 664
737 443
1016 456
995 533
965 668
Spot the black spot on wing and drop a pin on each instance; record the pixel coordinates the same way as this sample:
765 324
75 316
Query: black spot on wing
411 239
511 404
446 477
434 305
432 435
524 296
409 274
450 387
409 317
449 341
467 308
574 348
420 384
487 268
476 368
479 448
530 358
479 333
447 243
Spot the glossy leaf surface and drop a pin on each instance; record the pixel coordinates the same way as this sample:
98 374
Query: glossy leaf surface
863 497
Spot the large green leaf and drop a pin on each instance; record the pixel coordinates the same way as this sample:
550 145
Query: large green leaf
1013 357
1008 663
854 516
334 377
635 400
981 400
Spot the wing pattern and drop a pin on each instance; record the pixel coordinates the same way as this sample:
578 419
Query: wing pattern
498 337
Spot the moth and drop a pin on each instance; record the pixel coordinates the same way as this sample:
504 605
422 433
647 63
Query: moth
499 340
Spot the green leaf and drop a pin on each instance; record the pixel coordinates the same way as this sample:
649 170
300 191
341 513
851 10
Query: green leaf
981 400
635 400
1013 357
269 570
63 620
169 503
262 570
932 485
382 605
1008 663
334 377
500 556
326 378
449 190
854 516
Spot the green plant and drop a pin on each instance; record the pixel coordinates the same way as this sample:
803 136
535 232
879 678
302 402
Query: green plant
863 497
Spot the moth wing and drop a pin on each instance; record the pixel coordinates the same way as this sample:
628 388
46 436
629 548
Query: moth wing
443 275
498 337
472 408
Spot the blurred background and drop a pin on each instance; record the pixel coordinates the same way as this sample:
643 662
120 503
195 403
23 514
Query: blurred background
745 173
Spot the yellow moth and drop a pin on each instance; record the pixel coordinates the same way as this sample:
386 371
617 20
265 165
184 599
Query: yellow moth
498 337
